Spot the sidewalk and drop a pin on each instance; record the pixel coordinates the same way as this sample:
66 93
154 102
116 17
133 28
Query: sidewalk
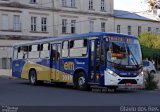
5 73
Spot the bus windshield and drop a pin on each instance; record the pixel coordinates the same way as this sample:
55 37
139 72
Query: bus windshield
124 54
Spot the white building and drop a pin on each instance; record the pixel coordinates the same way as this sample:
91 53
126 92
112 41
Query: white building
22 20
136 23
81 16
26 20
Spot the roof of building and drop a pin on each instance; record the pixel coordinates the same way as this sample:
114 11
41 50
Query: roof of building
136 15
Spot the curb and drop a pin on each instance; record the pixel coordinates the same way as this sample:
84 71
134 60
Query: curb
7 77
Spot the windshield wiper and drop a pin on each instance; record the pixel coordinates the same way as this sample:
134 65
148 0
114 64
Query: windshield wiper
122 67
135 60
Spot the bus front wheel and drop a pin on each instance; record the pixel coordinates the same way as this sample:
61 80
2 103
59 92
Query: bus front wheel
80 81
33 77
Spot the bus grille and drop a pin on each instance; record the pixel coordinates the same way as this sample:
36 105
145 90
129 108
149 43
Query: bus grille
128 81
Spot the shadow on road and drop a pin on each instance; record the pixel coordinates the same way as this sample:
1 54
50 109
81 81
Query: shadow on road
70 87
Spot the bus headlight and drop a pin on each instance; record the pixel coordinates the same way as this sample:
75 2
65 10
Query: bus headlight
111 72
141 74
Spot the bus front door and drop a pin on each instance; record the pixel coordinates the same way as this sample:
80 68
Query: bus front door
55 59
94 60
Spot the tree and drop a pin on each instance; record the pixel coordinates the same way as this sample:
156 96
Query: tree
150 82
150 44
154 4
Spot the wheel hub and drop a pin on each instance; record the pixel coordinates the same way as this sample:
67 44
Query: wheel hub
81 81
33 79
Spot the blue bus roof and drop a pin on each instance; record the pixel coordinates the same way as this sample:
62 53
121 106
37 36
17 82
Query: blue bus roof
76 36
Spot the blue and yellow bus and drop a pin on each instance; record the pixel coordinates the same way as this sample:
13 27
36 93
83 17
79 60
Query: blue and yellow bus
92 59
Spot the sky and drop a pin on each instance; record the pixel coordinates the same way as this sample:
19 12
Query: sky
131 5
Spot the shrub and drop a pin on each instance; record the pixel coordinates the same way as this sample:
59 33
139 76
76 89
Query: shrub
151 83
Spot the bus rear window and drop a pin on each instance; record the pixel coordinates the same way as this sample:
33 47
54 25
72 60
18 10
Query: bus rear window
22 52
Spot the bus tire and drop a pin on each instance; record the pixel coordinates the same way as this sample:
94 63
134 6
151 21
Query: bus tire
33 77
80 81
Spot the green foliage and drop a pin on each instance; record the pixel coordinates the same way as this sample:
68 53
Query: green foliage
150 44
150 83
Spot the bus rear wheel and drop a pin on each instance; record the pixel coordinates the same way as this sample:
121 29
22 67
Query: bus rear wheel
80 81
33 77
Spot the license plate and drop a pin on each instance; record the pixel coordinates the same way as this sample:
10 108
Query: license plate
128 84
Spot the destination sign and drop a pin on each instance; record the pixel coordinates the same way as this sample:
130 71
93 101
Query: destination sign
121 39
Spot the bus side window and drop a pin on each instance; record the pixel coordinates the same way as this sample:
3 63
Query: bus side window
103 53
78 49
33 52
44 51
71 44
65 49
54 52
58 52
85 43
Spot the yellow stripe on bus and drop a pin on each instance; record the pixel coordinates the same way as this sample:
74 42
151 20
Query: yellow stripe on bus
45 73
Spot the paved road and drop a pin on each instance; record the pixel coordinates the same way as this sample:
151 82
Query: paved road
19 92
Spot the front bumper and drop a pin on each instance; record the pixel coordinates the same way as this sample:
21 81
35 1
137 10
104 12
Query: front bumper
123 82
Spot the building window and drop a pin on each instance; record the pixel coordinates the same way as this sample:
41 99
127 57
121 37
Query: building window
103 26
73 4
102 5
64 3
118 28
129 30
139 30
90 4
33 24
149 29
33 1
16 24
64 25
91 25
44 24
157 30
5 22
5 63
73 26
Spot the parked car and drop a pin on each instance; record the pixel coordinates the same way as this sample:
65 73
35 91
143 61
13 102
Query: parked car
148 66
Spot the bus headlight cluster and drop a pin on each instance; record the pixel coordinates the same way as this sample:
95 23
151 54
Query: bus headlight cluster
141 74
111 72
